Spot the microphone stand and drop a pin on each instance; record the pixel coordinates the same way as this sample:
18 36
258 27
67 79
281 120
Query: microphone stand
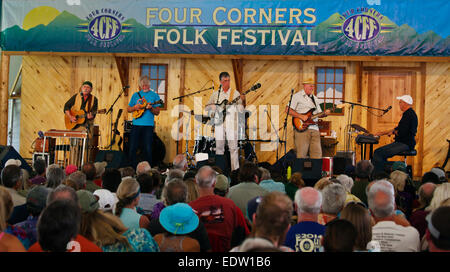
276 131
348 141
110 110
196 92
285 122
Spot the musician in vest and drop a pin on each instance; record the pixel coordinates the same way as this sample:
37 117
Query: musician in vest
144 105
307 141
87 103
404 135
226 130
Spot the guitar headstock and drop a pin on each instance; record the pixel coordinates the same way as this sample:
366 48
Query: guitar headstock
255 87
159 102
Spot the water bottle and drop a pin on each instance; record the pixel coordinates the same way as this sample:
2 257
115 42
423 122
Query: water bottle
288 175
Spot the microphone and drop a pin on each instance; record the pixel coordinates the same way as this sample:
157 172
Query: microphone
386 110
126 87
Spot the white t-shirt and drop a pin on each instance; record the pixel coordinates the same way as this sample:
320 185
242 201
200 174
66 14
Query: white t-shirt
231 110
396 238
302 103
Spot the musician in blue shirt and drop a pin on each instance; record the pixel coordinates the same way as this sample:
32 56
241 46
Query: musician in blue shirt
404 135
143 126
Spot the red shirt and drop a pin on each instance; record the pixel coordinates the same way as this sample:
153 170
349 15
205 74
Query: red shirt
221 217
85 246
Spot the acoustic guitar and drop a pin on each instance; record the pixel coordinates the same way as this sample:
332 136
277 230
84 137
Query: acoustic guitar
81 117
300 125
137 114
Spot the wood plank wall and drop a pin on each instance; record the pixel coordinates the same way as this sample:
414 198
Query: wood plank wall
48 81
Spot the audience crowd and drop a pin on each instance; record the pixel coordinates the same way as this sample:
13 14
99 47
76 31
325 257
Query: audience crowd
95 208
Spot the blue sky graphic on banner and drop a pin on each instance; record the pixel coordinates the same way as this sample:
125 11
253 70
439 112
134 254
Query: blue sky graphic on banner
305 27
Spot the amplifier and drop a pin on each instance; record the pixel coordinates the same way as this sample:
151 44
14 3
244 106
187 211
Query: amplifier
329 146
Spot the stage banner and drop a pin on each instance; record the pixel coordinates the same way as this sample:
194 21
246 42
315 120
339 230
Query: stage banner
258 27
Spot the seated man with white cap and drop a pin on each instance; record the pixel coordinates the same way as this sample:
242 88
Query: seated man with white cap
404 134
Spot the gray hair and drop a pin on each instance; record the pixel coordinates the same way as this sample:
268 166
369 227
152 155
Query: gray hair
175 192
180 162
143 79
379 208
55 175
143 167
265 174
79 178
62 192
398 180
334 196
308 200
205 177
346 181
441 193
174 173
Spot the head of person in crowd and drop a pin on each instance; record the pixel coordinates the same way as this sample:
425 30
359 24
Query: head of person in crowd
334 196
106 200
206 179
430 177
398 180
62 192
192 189
58 225
37 200
425 193
273 217
381 199
364 169
180 162
174 173
143 168
127 172
79 178
359 216
128 194
265 174
440 173
345 181
6 207
89 170
39 166
111 179
297 180
71 168
100 169
379 175
438 234
221 187
249 172
340 236
322 183
11 177
441 193
145 181
55 175
308 202
97 226
174 192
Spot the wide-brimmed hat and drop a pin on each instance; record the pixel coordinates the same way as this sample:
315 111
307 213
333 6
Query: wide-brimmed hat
179 219
309 80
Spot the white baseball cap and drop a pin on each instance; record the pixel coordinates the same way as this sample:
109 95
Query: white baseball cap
406 98
106 199
13 162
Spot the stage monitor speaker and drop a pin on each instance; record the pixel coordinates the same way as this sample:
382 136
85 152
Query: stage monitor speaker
8 152
342 160
311 169
284 162
115 159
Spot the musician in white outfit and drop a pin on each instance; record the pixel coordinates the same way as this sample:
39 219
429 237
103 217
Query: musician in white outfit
226 130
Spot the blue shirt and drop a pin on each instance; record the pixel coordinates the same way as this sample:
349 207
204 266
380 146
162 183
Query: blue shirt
130 218
305 236
139 239
148 118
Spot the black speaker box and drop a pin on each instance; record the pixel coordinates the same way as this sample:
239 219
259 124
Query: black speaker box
285 161
8 152
115 159
341 161
311 169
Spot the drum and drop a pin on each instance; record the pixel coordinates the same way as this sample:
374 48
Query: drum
205 145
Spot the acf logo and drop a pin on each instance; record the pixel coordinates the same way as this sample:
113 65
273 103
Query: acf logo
361 28
105 28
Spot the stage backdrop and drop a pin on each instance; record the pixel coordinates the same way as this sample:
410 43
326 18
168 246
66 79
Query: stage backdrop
307 27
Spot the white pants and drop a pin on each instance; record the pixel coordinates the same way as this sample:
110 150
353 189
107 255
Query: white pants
228 132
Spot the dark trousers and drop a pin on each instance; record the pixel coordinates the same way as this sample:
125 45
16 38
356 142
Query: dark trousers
141 136
381 154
